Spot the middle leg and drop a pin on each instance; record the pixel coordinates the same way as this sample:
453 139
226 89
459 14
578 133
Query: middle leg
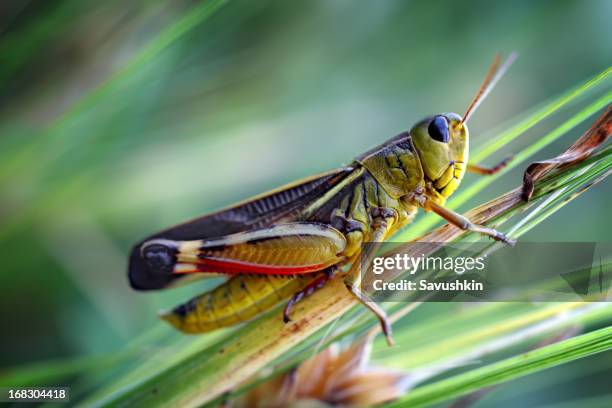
464 223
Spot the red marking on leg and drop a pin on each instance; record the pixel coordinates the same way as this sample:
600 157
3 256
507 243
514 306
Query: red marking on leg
232 267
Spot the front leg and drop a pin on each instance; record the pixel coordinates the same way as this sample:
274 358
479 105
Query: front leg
489 171
383 220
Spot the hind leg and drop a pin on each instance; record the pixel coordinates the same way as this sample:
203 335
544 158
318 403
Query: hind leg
312 287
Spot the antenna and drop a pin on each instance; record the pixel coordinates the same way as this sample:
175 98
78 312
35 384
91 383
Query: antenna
494 74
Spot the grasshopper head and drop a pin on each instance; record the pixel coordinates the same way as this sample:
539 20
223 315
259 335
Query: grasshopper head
441 141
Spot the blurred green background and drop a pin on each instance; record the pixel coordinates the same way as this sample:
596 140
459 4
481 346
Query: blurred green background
121 118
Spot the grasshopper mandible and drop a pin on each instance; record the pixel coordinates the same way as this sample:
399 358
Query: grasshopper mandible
314 227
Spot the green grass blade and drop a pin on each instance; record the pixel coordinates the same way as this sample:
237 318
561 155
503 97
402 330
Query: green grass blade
514 367
520 128
167 37
184 25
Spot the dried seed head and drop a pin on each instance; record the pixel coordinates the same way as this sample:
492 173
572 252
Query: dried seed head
332 377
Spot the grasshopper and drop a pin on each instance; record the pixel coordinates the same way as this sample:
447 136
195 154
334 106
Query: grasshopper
314 228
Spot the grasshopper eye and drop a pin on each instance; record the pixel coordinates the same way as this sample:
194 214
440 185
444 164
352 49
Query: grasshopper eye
438 129
160 258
